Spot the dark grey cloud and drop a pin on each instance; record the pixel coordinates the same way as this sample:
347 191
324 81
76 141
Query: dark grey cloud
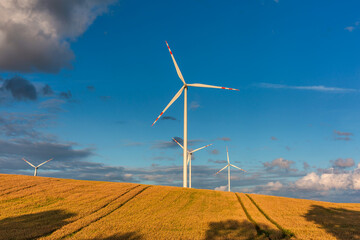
65 95
168 118
76 169
47 91
42 150
40 41
68 157
90 88
16 125
344 163
20 89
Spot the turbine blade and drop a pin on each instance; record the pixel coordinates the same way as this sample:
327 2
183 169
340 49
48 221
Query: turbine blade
210 86
176 66
237 168
222 169
189 159
201 148
171 102
227 154
45 162
28 162
178 143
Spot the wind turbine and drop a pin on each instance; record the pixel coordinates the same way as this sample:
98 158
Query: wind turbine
35 173
185 88
190 153
228 166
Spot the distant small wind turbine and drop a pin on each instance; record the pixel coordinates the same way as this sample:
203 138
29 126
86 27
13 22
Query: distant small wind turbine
35 173
189 157
177 95
228 166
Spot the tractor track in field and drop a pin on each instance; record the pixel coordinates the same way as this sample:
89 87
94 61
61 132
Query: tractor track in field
91 217
93 212
259 231
17 190
287 234
111 211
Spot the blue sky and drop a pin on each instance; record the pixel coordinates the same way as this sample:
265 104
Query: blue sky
110 73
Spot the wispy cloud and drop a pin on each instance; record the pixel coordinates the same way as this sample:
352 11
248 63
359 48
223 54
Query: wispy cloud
133 144
318 88
214 151
342 135
353 27
194 105
225 139
163 158
168 118
217 161
90 88
350 28
273 138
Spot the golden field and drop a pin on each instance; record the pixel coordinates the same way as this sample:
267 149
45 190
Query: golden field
50 208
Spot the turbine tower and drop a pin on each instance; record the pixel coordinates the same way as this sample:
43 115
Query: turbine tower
185 89
35 173
189 157
228 166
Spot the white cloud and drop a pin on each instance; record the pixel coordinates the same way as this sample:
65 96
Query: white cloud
221 188
274 186
327 181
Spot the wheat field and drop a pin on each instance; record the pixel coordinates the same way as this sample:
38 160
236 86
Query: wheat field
50 208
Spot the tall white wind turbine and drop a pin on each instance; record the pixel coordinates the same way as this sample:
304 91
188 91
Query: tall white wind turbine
185 88
35 173
190 153
228 166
